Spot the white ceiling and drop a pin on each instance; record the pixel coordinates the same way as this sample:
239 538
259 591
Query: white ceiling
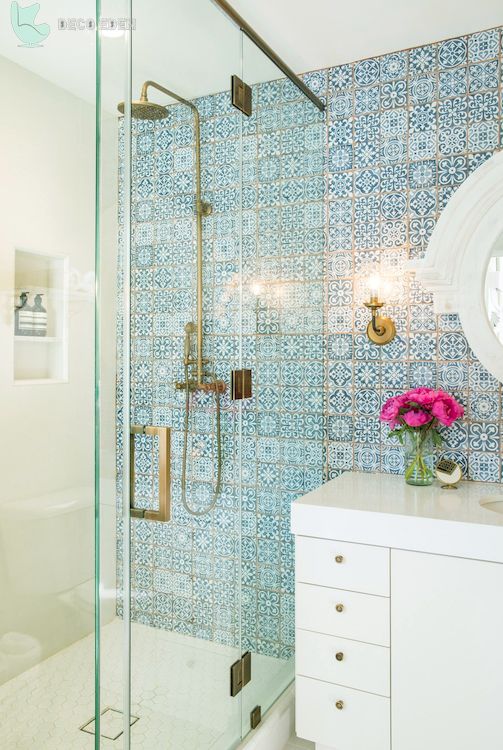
314 34
190 46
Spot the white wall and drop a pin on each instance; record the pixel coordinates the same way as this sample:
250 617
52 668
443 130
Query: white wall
47 205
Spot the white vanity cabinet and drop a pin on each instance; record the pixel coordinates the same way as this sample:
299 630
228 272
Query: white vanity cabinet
343 636
447 652
399 637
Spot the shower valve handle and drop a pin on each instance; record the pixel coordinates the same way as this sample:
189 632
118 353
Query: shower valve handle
215 386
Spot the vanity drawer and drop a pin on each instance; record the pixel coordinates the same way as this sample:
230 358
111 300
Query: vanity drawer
343 662
342 565
361 617
362 722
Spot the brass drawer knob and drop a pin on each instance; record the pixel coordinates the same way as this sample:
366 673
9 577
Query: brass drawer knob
339 705
339 559
339 656
339 607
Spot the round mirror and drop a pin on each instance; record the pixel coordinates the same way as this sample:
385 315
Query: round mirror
494 292
463 265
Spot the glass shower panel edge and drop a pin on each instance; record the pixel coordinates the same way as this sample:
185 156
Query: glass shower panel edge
113 644
283 292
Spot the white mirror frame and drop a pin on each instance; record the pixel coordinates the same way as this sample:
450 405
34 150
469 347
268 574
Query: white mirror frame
455 265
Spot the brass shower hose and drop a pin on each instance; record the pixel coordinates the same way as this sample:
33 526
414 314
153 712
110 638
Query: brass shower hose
218 486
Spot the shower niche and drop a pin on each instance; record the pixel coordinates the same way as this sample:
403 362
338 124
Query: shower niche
40 318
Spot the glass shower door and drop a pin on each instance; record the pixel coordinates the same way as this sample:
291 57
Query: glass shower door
219 247
113 638
283 325
179 224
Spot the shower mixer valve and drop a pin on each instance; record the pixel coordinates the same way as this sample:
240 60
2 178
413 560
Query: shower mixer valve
215 386
191 363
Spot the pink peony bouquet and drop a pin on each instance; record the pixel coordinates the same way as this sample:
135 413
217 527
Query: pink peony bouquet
415 418
421 408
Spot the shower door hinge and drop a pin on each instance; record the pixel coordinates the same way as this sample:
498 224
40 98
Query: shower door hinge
241 95
255 717
241 384
240 673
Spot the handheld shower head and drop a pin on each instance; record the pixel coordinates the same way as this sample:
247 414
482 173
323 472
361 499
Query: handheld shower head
190 330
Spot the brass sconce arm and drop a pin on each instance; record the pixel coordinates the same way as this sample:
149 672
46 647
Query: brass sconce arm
380 330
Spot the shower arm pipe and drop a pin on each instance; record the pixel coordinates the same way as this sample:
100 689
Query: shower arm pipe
268 51
199 218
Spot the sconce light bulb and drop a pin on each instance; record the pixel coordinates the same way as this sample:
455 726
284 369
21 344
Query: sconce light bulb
374 284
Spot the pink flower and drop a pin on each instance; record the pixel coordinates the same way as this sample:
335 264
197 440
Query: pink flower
416 417
419 407
446 409
423 396
391 410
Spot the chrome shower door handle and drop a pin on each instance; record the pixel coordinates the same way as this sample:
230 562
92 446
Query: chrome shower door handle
164 488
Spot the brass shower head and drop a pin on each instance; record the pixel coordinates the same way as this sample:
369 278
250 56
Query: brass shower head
145 110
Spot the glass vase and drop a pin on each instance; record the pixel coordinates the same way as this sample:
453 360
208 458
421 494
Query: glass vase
419 457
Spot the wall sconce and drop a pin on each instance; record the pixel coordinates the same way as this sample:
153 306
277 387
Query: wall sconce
379 330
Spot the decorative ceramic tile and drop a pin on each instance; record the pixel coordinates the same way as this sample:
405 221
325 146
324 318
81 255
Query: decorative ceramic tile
453 118
313 200
282 265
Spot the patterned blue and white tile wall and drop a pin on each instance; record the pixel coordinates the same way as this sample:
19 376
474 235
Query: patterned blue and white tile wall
405 130
318 203
264 255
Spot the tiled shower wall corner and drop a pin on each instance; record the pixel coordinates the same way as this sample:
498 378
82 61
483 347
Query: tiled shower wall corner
315 208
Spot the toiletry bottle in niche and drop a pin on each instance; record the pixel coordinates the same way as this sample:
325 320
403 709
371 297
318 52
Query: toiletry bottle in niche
39 317
23 317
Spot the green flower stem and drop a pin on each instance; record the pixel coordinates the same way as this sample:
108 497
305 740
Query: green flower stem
419 462
418 471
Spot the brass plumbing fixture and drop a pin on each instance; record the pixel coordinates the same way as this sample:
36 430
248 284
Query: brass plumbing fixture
190 385
195 379
194 384
145 110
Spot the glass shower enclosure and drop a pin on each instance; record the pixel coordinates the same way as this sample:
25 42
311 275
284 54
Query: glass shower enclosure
185 342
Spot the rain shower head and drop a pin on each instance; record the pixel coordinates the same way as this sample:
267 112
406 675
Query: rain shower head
145 110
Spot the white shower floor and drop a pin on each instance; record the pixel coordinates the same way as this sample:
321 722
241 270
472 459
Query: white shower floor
180 692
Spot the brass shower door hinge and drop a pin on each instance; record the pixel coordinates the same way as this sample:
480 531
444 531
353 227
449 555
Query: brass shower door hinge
240 674
255 717
241 384
241 95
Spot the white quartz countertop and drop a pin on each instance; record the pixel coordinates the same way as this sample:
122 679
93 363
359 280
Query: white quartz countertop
382 509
